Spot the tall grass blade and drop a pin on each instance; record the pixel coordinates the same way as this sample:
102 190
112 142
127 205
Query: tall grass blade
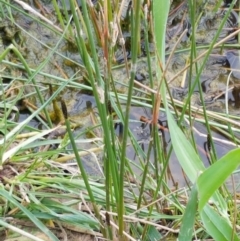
187 156
160 16
192 166
80 164
135 29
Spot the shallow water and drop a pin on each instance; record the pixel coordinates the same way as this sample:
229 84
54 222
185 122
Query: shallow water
142 134
218 84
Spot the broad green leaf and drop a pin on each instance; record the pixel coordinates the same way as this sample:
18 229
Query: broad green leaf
217 226
187 156
213 177
186 230
192 165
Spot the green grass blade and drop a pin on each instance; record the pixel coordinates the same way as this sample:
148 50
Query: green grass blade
134 48
14 150
186 230
215 175
70 214
160 13
187 156
37 222
19 231
216 225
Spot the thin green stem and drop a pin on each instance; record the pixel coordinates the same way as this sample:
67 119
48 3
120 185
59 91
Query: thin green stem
81 167
135 28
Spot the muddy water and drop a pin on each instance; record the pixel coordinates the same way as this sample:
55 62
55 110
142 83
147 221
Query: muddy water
142 134
34 41
218 83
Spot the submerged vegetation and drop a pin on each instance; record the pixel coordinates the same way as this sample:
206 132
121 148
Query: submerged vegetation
119 120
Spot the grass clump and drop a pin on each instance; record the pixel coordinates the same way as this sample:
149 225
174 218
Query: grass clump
89 175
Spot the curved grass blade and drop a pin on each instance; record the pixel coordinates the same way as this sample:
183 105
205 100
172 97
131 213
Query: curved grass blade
192 166
212 178
70 214
19 231
37 222
217 226
187 156
15 149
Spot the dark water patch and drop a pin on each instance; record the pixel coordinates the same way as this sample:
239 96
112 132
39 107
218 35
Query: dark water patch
234 62
142 132
24 114
234 98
